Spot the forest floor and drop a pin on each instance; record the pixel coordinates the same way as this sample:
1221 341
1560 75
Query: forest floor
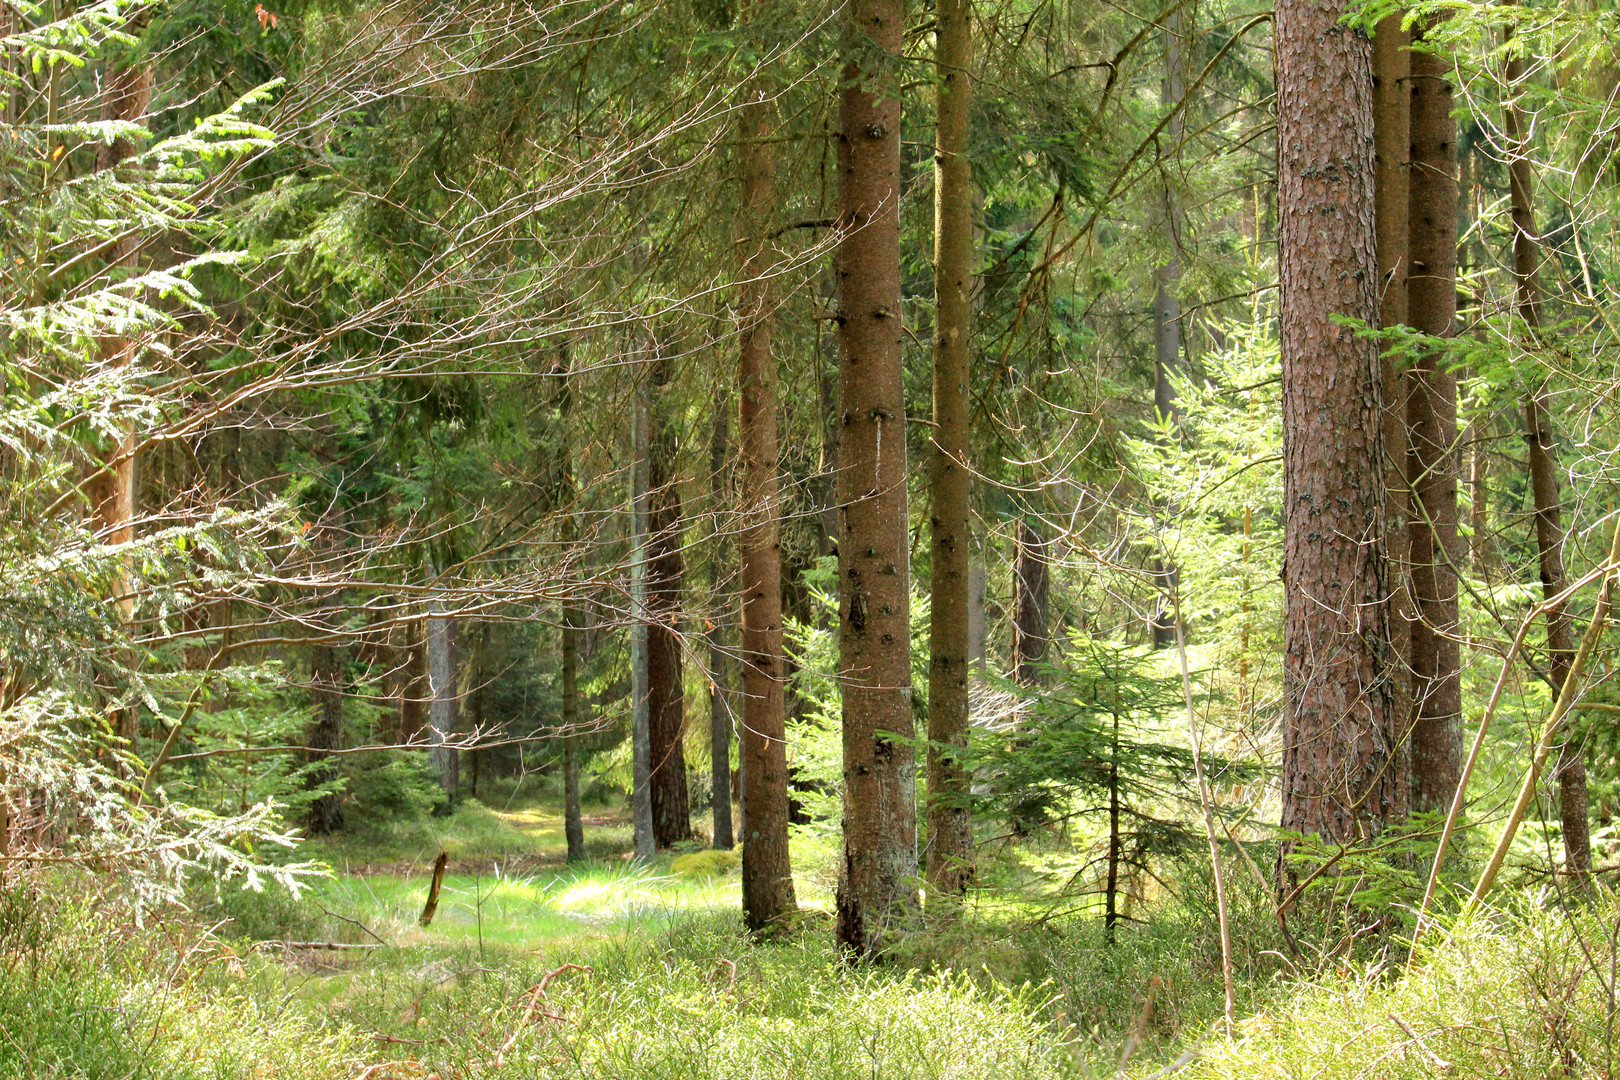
613 970
508 881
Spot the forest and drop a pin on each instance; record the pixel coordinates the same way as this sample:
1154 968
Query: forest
809 539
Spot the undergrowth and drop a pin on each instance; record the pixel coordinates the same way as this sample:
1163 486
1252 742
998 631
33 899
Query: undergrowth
1524 992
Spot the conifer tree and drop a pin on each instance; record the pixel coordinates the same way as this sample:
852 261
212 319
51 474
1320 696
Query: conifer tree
876 890
950 828
1431 420
768 894
666 572
1338 734
1392 115
1543 468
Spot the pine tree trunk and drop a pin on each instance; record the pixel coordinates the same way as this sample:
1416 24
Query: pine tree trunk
876 891
414 685
767 873
950 826
978 624
1392 116
1338 732
640 700
325 812
720 693
1544 482
327 661
1031 603
1431 416
475 680
573 819
827 478
1111 890
441 662
1167 307
110 489
1478 439
569 635
666 705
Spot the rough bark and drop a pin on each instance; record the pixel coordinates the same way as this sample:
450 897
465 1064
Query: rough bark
110 489
1392 143
572 617
473 680
573 819
1031 603
325 811
1338 733
441 663
949 862
978 586
640 717
414 684
720 694
666 702
1432 460
827 475
876 893
1478 440
1167 307
1111 887
767 873
1544 481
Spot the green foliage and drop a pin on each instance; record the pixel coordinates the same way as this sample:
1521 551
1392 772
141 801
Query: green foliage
1521 993
1097 732
1218 474
815 749
711 863
86 999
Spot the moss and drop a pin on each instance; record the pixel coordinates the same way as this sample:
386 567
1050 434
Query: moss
713 863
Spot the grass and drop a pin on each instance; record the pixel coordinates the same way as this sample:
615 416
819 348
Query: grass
613 969
519 910
1526 993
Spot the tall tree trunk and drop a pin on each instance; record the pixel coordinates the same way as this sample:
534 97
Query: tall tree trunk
573 819
414 683
569 636
1544 482
767 872
441 662
1392 141
1338 731
827 478
110 489
950 827
326 664
640 698
666 705
1431 415
1115 840
1031 602
327 661
719 662
876 890
1478 440
474 680
1167 305
978 586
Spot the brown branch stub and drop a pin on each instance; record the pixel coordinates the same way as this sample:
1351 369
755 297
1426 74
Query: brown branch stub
432 904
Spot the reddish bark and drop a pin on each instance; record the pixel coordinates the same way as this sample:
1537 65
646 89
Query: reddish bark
876 885
1338 736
